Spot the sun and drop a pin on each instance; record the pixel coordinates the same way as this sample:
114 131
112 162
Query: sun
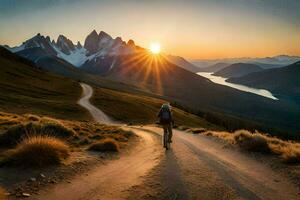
155 48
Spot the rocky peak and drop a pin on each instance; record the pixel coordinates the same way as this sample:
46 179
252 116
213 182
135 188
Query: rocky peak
64 44
130 42
41 42
78 45
91 42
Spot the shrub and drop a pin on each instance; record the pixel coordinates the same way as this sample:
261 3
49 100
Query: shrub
56 129
32 117
197 130
251 142
17 132
38 151
105 145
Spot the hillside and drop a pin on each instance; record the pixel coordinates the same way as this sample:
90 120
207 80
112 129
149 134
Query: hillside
283 82
124 66
237 70
25 88
181 62
141 109
157 75
215 67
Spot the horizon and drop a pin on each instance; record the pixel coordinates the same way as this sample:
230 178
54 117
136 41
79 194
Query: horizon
208 30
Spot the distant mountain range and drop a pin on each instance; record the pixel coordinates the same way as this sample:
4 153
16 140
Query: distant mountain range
98 49
266 63
238 70
283 82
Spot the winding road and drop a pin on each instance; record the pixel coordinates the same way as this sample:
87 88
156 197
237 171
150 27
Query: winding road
196 167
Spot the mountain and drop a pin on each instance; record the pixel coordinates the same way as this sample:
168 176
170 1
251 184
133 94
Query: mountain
115 63
215 67
237 70
25 88
181 62
96 48
283 82
159 76
265 63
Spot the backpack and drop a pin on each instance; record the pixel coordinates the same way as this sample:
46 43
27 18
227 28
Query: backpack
165 116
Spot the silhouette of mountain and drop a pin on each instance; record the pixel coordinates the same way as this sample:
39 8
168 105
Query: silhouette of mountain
283 82
237 70
215 67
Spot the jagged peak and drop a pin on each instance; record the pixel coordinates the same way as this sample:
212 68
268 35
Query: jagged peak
103 34
130 42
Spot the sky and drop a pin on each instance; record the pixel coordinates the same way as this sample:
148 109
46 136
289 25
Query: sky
194 29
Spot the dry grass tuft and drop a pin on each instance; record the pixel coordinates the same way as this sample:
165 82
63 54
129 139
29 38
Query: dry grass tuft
38 151
197 130
17 132
105 145
257 142
2 194
251 142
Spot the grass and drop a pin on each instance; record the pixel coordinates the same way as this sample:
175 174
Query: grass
43 126
78 134
140 109
289 151
2 194
105 145
38 151
26 89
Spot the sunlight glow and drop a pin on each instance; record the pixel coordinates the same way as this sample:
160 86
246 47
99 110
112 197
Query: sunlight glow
155 48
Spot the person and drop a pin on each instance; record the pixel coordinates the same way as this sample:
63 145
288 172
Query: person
166 119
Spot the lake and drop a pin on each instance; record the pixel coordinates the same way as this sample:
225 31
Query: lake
222 81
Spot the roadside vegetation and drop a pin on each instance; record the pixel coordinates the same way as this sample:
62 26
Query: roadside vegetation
105 145
33 141
38 151
288 151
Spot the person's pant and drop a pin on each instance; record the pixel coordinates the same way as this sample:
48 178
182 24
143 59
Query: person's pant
168 128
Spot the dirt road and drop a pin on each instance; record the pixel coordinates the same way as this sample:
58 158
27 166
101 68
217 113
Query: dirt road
84 101
196 167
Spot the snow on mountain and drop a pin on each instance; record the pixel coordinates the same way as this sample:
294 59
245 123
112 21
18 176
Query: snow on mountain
95 46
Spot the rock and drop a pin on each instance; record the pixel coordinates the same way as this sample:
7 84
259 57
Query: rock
26 194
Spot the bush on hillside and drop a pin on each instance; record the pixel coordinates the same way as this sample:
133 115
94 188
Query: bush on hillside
251 142
197 130
17 132
105 145
38 151
256 142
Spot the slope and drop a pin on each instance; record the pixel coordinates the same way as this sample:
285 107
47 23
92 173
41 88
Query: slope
283 82
237 70
25 88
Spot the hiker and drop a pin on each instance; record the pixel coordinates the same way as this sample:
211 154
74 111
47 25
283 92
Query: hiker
166 119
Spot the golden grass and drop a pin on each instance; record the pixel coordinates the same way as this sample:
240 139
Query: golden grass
2 194
76 133
38 151
105 145
289 151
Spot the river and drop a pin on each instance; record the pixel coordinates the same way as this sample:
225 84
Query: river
222 81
